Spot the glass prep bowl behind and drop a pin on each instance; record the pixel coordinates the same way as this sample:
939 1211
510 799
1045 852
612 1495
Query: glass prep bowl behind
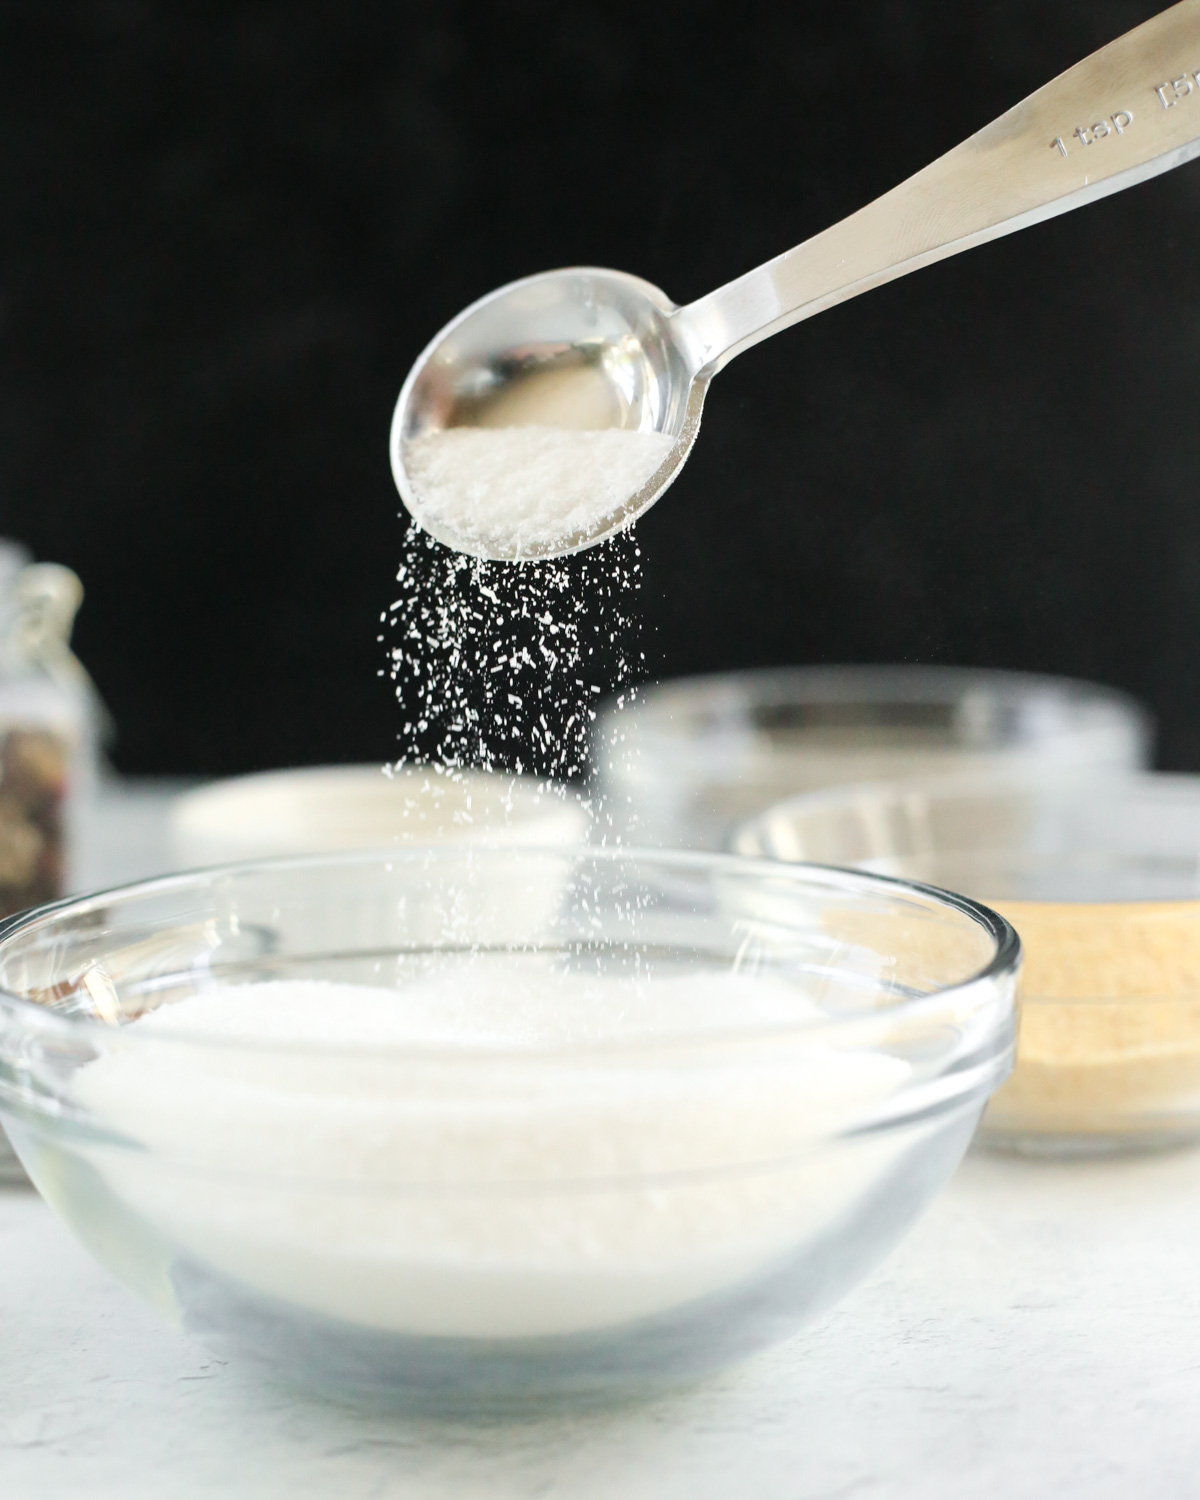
1103 884
688 760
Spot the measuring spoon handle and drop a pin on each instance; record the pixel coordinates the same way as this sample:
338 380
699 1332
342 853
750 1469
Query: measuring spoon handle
1124 114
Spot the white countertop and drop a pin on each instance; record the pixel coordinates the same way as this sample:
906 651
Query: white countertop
1038 1334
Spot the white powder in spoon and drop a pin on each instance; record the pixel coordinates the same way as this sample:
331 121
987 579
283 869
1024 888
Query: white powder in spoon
476 1154
514 491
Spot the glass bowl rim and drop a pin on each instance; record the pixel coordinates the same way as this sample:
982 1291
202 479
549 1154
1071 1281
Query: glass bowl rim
1128 789
871 684
1004 963
1066 787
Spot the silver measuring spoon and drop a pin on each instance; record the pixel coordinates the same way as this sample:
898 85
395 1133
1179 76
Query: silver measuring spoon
588 350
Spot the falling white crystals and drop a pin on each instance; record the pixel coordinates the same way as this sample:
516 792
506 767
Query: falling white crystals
501 665
516 492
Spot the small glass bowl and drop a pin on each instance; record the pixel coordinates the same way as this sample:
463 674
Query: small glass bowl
688 761
1103 884
699 1099
329 809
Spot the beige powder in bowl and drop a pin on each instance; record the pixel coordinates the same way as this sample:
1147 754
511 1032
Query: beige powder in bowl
1109 1050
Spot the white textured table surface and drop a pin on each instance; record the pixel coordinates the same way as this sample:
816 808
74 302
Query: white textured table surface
1038 1334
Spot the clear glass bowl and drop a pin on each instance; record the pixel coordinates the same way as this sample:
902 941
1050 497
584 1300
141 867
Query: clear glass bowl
688 761
598 1118
1103 884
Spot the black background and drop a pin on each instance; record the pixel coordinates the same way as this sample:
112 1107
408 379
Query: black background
227 229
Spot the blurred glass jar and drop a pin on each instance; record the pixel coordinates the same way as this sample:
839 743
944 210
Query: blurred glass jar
687 761
13 557
49 718
50 721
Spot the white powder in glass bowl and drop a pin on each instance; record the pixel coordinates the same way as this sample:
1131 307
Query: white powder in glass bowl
517 491
503 1179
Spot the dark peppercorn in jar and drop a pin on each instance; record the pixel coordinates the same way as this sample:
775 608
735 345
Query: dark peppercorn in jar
48 714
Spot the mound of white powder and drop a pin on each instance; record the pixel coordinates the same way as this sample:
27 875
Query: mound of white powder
476 1154
517 492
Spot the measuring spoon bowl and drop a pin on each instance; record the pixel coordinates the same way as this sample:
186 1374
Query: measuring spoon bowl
582 350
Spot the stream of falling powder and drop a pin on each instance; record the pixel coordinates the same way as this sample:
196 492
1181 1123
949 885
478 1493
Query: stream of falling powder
501 665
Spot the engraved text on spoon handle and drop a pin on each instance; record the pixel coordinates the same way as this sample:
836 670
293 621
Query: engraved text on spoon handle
1124 114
